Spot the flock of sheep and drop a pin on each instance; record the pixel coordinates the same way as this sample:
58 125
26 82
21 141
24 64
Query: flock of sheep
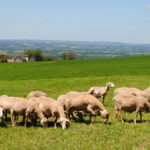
72 105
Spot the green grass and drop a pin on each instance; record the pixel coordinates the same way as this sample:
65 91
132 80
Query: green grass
55 78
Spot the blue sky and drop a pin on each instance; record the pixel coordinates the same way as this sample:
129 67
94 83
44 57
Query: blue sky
79 20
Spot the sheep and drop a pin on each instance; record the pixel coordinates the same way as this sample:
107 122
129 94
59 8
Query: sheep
130 103
21 106
128 91
76 101
101 92
36 94
52 108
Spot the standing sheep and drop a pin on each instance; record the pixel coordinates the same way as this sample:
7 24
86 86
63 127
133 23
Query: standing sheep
21 106
101 92
130 103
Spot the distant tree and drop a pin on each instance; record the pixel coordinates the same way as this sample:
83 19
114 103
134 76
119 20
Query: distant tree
53 58
72 55
47 58
68 55
28 53
36 54
3 58
64 55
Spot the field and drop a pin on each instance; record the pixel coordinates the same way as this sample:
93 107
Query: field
55 78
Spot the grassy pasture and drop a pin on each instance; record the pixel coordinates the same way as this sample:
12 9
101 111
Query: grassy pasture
55 78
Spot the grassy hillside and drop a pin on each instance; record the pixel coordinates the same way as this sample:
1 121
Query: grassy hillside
57 78
78 68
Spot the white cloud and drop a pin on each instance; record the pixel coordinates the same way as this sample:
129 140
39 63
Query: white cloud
148 5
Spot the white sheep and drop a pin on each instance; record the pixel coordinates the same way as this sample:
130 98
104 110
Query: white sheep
130 103
21 106
52 108
36 94
101 92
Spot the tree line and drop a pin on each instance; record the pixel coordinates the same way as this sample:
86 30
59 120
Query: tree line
37 55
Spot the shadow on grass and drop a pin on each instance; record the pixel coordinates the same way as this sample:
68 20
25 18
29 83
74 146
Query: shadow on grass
3 125
137 121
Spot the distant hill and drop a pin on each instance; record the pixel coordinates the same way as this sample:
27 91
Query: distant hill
84 49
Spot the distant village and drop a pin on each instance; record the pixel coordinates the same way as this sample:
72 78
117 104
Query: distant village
3 58
34 55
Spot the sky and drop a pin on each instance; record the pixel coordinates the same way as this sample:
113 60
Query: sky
76 20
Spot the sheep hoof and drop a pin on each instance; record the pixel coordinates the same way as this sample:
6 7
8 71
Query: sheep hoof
135 121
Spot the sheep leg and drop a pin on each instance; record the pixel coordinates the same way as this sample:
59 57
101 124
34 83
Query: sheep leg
73 116
13 118
92 120
137 112
16 117
68 112
89 108
80 116
23 120
136 117
6 118
103 98
117 114
120 116
55 122
35 120
26 119
140 116
3 121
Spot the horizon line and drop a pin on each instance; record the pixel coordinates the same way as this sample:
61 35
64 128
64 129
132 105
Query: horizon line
124 42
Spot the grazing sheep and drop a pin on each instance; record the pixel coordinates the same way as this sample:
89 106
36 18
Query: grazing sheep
20 106
76 101
130 103
101 92
36 94
52 108
128 91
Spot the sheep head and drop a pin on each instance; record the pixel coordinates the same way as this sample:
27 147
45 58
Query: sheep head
110 85
64 122
105 115
44 122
